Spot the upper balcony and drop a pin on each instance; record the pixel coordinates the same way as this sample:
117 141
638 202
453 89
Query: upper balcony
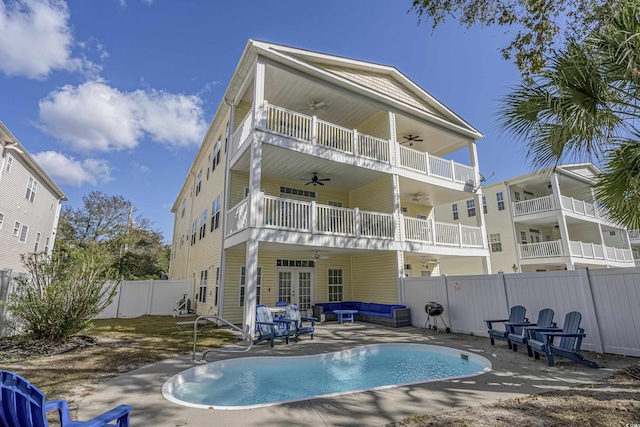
580 251
355 144
577 208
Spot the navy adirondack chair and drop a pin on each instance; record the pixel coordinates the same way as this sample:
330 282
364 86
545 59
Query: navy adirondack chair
545 320
267 329
515 316
23 405
541 340
298 328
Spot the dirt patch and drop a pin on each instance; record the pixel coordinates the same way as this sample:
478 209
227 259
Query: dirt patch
21 348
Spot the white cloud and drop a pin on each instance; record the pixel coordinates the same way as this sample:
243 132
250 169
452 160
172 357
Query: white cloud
139 167
97 117
36 38
67 170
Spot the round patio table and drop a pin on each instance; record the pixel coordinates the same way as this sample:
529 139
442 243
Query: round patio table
345 315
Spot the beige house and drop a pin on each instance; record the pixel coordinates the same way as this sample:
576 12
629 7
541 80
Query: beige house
546 220
316 182
30 204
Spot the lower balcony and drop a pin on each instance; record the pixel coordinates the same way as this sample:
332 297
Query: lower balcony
309 217
579 250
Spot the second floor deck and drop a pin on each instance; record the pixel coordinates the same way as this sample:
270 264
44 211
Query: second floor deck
579 250
546 204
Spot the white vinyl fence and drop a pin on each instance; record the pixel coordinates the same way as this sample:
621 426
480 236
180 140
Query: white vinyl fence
609 300
143 297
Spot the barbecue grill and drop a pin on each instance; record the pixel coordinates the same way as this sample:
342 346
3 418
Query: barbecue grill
434 310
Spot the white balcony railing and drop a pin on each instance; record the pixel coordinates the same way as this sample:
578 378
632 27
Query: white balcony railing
634 234
539 204
579 206
242 133
237 217
637 261
540 250
310 129
578 249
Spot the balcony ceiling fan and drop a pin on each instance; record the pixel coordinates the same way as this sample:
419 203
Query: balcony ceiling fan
315 180
317 256
411 139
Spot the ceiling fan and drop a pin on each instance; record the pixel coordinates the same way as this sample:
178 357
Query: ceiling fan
315 180
314 105
317 256
416 197
411 139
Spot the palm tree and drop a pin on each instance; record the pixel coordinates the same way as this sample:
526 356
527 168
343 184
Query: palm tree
584 106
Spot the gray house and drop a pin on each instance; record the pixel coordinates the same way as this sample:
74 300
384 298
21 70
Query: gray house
30 204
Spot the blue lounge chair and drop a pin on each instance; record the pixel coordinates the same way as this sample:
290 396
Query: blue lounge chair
541 340
293 313
516 316
545 320
23 405
267 329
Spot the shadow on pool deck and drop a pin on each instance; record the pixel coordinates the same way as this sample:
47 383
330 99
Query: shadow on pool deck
513 374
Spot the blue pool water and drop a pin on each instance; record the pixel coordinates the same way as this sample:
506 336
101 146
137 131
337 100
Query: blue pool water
251 382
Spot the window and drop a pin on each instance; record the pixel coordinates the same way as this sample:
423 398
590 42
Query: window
217 286
496 242
184 207
404 209
23 233
7 167
243 281
16 228
215 213
336 204
523 237
46 245
500 199
516 195
407 270
203 224
471 208
335 280
301 194
425 273
194 227
31 189
421 216
216 155
1 220
202 291
484 204
199 182
35 247
208 165
454 207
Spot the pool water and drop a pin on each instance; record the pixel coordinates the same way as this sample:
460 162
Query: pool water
252 382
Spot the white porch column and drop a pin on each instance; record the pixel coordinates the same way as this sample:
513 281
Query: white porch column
393 151
258 96
477 199
251 286
400 259
255 175
395 183
562 222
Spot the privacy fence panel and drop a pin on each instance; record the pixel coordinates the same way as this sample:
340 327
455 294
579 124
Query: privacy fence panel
165 293
134 298
420 291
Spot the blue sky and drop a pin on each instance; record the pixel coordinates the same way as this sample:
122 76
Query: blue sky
115 95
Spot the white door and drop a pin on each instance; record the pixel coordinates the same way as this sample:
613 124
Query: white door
295 286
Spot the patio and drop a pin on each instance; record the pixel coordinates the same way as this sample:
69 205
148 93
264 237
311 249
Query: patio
513 375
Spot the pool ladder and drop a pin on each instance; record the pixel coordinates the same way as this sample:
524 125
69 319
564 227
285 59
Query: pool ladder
246 336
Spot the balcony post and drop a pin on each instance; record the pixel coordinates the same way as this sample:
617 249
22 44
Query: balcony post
314 217
432 222
356 216
355 143
400 218
453 170
427 166
258 95
314 130
255 199
593 250
393 150
460 234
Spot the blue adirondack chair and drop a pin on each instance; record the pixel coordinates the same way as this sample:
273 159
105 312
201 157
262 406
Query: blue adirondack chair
515 316
267 329
23 405
545 320
541 340
298 328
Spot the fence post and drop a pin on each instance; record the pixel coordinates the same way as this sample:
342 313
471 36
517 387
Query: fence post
591 317
149 296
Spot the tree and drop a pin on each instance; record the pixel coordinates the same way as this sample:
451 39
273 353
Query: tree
585 104
112 223
538 22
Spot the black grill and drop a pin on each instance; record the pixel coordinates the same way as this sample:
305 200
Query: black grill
433 308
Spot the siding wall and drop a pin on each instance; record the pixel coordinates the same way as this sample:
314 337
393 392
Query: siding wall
241 111
375 196
375 277
376 125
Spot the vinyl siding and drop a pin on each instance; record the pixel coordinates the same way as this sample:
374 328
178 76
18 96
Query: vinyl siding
241 111
376 125
375 278
376 196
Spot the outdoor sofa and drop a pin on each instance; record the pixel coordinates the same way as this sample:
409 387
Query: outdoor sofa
393 315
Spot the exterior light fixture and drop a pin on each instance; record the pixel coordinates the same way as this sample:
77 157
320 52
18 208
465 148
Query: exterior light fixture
515 268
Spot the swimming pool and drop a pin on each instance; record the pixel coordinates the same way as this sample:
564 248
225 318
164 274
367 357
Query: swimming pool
253 382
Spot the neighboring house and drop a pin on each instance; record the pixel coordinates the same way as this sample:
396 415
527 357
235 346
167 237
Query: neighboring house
548 220
634 238
30 204
316 182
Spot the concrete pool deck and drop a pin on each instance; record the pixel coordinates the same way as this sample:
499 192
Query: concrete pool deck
513 375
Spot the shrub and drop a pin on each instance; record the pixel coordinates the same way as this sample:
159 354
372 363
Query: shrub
59 295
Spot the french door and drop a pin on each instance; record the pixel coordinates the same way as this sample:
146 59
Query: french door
295 286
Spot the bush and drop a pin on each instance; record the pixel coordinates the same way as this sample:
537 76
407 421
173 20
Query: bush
59 296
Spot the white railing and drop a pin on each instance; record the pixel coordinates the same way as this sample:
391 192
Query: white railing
540 249
335 137
471 236
335 220
237 217
441 167
634 234
287 214
242 133
414 159
637 261
539 204
289 123
376 224
373 148
417 230
579 206
599 251
447 234
463 173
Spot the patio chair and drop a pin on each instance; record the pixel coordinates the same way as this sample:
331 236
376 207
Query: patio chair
541 340
267 329
23 405
516 316
293 313
545 320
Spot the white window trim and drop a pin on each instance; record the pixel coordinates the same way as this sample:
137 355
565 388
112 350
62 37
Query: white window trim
241 286
329 285
25 230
